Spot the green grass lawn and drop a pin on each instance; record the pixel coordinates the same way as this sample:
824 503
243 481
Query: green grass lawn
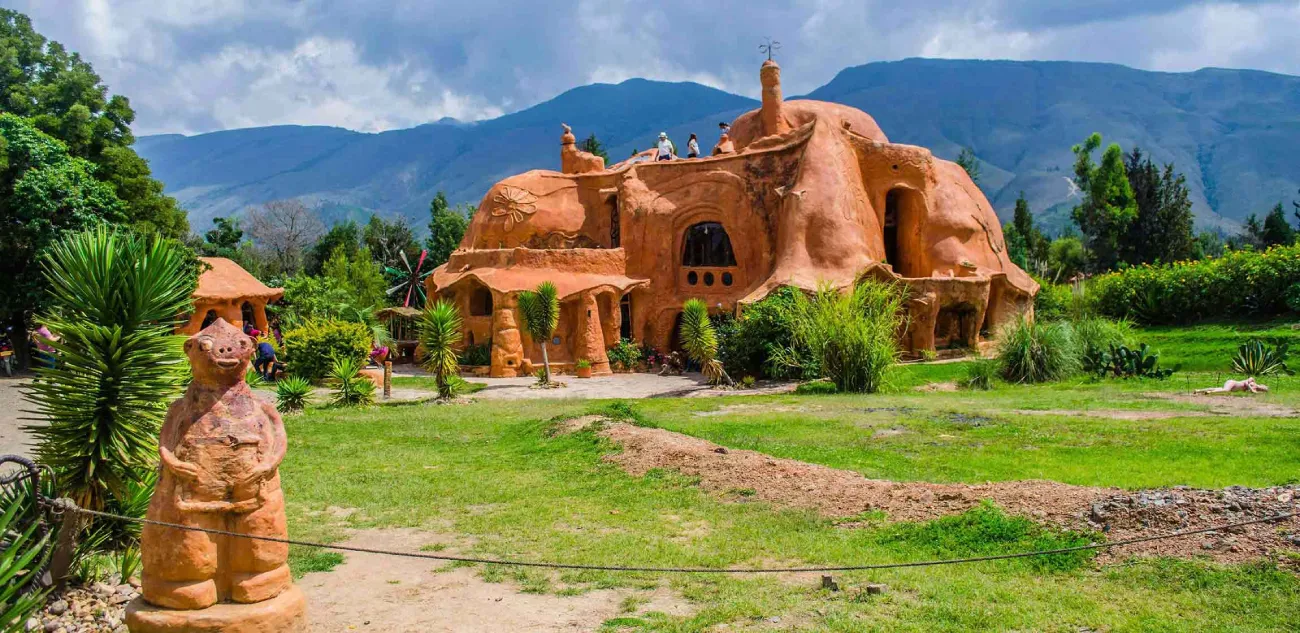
491 474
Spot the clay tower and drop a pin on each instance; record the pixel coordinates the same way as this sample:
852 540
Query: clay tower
770 76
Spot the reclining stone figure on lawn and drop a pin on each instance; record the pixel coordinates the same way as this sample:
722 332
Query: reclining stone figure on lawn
1230 386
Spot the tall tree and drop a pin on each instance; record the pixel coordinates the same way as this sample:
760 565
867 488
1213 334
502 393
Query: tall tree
44 192
345 235
286 228
387 241
1035 243
63 97
224 238
1107 208
1162 230
446 229
1275 229
971 164
593 145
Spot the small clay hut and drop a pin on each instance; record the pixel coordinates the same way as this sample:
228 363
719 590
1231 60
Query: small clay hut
227 291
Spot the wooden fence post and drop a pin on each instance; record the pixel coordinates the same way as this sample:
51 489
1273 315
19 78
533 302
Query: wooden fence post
388 379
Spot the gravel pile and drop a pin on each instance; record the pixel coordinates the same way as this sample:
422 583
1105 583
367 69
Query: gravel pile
98 608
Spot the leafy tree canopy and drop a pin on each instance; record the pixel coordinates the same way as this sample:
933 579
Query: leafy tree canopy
1108 207
446 229
345 235
64 98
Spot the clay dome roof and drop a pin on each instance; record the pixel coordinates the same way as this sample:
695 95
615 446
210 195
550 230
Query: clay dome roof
225 280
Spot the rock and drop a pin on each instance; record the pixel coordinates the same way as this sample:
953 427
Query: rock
58 607
125 589
1207 545
103 589
1099 513
876 588
52 626
721 450
32 624
774 619
1285 497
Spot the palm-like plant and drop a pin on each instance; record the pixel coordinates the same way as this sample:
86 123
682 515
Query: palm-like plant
379 334
541 311
701 341
114 301
24 554
351 388
291 394
440 335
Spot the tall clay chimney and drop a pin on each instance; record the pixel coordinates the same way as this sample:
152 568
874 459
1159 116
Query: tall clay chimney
770 76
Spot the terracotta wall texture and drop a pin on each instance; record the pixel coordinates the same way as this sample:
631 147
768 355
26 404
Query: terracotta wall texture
807 193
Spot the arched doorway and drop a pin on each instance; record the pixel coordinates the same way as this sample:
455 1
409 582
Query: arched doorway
625 316
707 245
891 230
899 226
246 314
209 319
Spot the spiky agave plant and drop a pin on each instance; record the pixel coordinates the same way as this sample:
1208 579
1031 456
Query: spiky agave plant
701 341
291 394
113 305
351 388
440 336
541 311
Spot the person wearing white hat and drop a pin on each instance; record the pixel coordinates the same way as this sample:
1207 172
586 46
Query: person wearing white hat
667 151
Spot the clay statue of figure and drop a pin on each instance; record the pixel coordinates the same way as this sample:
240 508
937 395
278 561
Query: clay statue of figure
220 449
1230 386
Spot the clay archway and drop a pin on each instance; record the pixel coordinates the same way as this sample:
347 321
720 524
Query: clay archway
209 319
707 244
480 302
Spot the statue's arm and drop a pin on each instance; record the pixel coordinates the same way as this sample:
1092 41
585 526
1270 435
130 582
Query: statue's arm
277 442
168 440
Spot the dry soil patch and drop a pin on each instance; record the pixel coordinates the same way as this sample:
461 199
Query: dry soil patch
838 493
1257 405
371 592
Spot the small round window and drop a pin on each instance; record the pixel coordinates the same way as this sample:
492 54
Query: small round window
726 279
692 278
708 279
555 341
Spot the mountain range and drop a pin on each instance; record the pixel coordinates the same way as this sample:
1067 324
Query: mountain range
1234 135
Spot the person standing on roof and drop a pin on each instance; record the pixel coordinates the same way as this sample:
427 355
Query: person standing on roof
693 147
667 151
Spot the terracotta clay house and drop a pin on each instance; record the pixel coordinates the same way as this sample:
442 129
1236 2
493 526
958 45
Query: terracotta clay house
799 194
227 291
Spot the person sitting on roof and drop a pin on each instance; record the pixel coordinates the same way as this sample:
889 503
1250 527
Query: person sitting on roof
693 147
667 151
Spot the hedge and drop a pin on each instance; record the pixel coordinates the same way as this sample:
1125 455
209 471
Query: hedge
1240 284
311 348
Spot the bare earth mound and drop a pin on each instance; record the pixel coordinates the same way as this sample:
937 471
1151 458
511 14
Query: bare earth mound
841 493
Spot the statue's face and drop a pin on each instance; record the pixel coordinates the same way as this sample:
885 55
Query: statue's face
219 352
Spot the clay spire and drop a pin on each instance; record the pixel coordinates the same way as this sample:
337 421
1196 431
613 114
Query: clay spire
770 76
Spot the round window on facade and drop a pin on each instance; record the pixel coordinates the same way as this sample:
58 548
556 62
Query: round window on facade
692 278
726 279
708 279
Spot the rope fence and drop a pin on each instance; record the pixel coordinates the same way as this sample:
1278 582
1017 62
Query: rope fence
66 505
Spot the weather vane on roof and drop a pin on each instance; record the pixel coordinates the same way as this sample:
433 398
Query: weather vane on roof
768 47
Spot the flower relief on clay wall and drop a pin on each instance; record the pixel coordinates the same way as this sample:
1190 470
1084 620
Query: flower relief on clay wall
515 204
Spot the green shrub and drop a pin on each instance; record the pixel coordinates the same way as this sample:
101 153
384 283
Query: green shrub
477 355
1034 351
582 363
980 375
1053 301
853 334
311 348
763 329
816 387
1293 297
1121 362
291 394
625 354
1095 337
1240 284
351 389
1256 358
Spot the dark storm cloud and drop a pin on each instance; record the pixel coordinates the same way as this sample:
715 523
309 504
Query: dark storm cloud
200 65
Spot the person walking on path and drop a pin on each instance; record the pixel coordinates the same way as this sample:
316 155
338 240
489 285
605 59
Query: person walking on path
693 147
667 151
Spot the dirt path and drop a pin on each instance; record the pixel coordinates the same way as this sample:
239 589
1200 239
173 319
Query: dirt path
742 474
1243 405
12 437
395 595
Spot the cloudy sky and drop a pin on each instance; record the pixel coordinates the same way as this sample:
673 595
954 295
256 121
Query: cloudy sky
194 66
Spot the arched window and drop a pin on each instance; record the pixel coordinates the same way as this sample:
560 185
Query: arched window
209 318
480 302
246 313
707 244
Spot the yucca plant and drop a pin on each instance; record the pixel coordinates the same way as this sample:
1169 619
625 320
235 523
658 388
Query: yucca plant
980 375
24 549
253 378
1257 358
113 305
291 394
541 311
440 334
351 388
701 341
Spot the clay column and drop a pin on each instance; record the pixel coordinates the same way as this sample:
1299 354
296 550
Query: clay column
770 76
